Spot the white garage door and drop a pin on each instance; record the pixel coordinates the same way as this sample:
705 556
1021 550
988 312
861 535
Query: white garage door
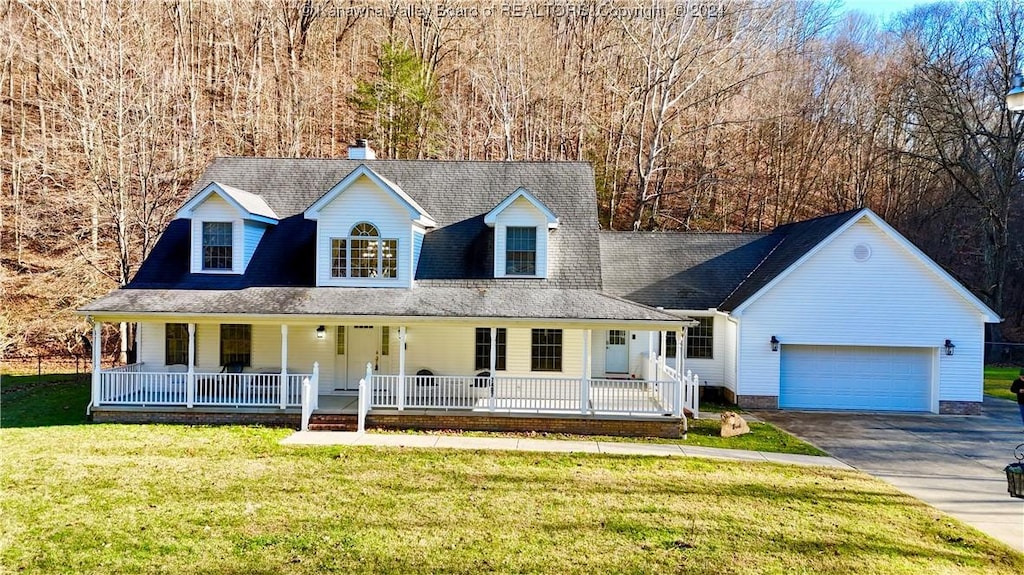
848 377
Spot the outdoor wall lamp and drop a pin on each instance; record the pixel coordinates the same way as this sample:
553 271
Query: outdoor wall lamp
321 332
949 347
1015 97
775 343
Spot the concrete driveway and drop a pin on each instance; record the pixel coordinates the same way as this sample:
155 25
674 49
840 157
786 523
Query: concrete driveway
954 463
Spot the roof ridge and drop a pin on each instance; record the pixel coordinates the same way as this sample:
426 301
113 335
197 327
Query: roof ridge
755 268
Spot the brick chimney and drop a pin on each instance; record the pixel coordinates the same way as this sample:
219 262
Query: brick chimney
361 151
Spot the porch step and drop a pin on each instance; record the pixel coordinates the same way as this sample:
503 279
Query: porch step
333 422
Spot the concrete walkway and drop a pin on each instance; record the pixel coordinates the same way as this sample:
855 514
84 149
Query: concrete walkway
550 445
954 463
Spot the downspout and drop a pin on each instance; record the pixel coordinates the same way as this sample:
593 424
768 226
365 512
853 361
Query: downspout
736 352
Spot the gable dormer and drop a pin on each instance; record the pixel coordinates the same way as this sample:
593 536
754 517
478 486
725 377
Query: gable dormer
227 225
521 225
368 233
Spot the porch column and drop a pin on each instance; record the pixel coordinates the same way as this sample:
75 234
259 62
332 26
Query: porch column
681 387
401 368
494 365
97 360
681 349
190 378
585 374
652 371
662 350
284 365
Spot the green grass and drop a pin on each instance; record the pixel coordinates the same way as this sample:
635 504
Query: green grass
178 499
702 432
124 499
998 380
54 399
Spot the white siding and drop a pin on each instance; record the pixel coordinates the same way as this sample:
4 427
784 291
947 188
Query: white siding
151 343
892 299
520 213
451 350
711 371
215 209
364 201
729 354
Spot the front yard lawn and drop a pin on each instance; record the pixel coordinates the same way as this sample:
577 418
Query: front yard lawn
177 499
704 432
998 380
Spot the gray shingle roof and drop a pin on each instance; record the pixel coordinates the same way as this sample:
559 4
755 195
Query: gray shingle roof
455 275
455 193
700 271
795 240
456 302
679 270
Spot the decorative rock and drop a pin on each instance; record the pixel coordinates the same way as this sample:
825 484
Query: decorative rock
733 424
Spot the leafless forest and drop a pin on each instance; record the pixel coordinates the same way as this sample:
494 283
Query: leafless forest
695 116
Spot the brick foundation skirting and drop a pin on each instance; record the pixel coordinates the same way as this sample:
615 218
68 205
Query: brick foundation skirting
960 407
668 427
757 401
268 419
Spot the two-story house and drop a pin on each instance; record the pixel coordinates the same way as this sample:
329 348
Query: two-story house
485 291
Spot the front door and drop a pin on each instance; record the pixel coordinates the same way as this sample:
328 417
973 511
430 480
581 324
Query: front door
362 349
616 352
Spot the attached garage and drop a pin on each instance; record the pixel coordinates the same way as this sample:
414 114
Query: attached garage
853 377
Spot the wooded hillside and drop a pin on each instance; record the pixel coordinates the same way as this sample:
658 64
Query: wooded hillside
696 116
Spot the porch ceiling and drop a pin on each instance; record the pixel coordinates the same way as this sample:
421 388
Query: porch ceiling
428 303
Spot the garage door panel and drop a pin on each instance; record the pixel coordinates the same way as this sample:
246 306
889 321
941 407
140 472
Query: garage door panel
848 377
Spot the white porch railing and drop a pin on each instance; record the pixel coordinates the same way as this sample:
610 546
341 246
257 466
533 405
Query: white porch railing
136 385
527 394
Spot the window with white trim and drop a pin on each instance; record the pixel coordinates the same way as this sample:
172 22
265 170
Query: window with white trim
483 349
546 350
700 340
521 251
236 344
217 245
364 254
175 344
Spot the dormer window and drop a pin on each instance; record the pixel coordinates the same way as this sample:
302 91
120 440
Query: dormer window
217 245
521 251
364 254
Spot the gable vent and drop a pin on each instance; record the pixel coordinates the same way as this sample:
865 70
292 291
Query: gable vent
861 252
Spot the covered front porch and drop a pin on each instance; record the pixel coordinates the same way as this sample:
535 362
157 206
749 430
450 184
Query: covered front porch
397 366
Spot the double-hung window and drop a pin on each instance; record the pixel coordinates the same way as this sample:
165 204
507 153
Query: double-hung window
217 246
521 251
364 254
483 349
236 344
700 339
546 350
175 344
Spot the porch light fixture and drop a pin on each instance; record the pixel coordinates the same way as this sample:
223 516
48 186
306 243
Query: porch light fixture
1015 97
321 332
775 343
949 347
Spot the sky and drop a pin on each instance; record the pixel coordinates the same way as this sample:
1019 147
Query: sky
882 8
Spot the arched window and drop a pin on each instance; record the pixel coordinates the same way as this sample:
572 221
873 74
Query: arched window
363 254
364 229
